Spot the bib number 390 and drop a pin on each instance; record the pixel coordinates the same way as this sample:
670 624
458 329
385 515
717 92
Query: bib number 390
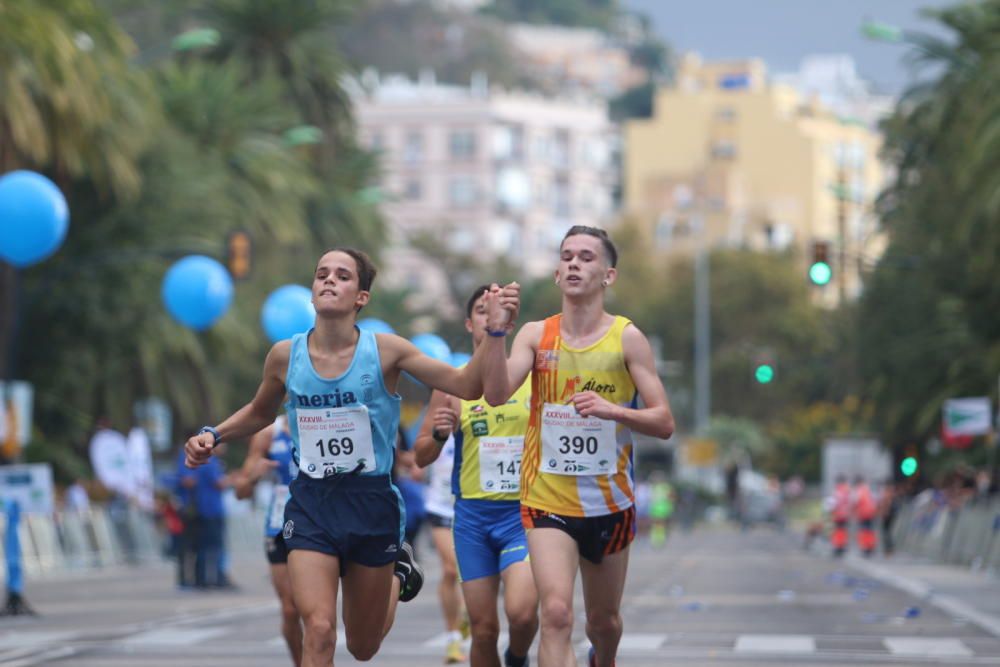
335 440
576 445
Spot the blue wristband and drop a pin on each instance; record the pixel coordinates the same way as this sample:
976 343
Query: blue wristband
499 333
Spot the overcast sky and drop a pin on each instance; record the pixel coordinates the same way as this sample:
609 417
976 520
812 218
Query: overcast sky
783 31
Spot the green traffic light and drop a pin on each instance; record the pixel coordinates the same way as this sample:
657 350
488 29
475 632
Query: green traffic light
908 466
820 273
764 373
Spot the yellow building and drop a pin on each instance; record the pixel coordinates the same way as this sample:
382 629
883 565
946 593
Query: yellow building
750 163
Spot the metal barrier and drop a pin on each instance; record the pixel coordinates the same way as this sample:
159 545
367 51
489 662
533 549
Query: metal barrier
107 537
967 536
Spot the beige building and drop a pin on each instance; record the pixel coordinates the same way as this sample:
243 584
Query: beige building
485 172
751 163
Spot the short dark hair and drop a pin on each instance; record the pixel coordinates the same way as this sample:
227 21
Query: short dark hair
365 265
598 233
476 293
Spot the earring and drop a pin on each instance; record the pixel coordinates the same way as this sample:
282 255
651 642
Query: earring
605 283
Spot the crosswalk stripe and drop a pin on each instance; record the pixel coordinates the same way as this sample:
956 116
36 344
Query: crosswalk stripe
775 644
941 647
173 636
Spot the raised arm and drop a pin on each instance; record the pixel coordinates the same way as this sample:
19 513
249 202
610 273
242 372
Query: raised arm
654 418
256 464
253 416
467 382
502 376
440 420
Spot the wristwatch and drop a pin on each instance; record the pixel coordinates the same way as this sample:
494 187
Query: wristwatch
210 429
440 441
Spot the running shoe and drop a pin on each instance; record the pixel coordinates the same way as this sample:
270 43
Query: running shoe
454 653
411 576
508 660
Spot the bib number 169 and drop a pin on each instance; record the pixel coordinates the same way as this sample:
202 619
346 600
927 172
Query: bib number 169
336 447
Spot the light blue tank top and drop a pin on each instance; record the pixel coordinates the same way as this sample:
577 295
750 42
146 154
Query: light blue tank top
361 384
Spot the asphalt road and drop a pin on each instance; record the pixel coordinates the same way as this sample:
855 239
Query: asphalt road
712 597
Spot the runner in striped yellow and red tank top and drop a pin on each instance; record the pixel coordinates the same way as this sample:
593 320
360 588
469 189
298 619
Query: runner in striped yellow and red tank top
588 370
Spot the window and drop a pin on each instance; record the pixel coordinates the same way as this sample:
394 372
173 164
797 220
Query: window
413 190
560 199
560 150
726 114
462 144
508 142
413 147
723 150
462 191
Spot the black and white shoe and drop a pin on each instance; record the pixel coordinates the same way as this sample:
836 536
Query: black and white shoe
411 576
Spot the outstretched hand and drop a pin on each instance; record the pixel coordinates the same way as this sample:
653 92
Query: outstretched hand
503 304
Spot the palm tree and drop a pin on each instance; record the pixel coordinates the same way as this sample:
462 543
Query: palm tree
70 106
295 42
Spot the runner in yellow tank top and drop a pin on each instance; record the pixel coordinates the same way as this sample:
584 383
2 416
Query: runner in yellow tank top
588 367
489 540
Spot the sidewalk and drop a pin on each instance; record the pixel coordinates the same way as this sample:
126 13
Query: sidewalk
960 592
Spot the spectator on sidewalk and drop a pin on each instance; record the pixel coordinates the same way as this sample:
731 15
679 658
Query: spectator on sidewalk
109 459
77 498
203 513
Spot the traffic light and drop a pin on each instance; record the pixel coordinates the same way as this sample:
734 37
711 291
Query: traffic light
764 373
239 254
763 367
909 464
820 272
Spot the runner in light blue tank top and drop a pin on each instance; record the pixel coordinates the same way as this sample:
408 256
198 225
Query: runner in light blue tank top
344 517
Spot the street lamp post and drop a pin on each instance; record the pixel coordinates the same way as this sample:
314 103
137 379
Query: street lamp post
702 332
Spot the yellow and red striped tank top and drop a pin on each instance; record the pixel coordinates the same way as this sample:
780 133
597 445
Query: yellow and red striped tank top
571 465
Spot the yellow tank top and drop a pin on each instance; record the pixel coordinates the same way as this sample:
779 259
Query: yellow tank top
488 447
571 465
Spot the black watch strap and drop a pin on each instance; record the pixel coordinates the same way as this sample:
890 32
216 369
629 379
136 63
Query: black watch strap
210 429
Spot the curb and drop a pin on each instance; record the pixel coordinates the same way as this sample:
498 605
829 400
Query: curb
923 591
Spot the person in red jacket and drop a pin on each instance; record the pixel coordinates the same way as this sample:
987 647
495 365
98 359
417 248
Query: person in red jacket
865 510
839 505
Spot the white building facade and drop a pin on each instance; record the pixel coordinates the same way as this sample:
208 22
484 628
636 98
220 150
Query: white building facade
486 173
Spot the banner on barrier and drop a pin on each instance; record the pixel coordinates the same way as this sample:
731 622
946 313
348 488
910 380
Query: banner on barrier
30 485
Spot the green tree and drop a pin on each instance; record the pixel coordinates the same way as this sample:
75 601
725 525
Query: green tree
293 42
930 329
70 106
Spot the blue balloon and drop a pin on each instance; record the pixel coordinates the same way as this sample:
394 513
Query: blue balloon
375 325
459 359
34 218
197 291
433 346
287 311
